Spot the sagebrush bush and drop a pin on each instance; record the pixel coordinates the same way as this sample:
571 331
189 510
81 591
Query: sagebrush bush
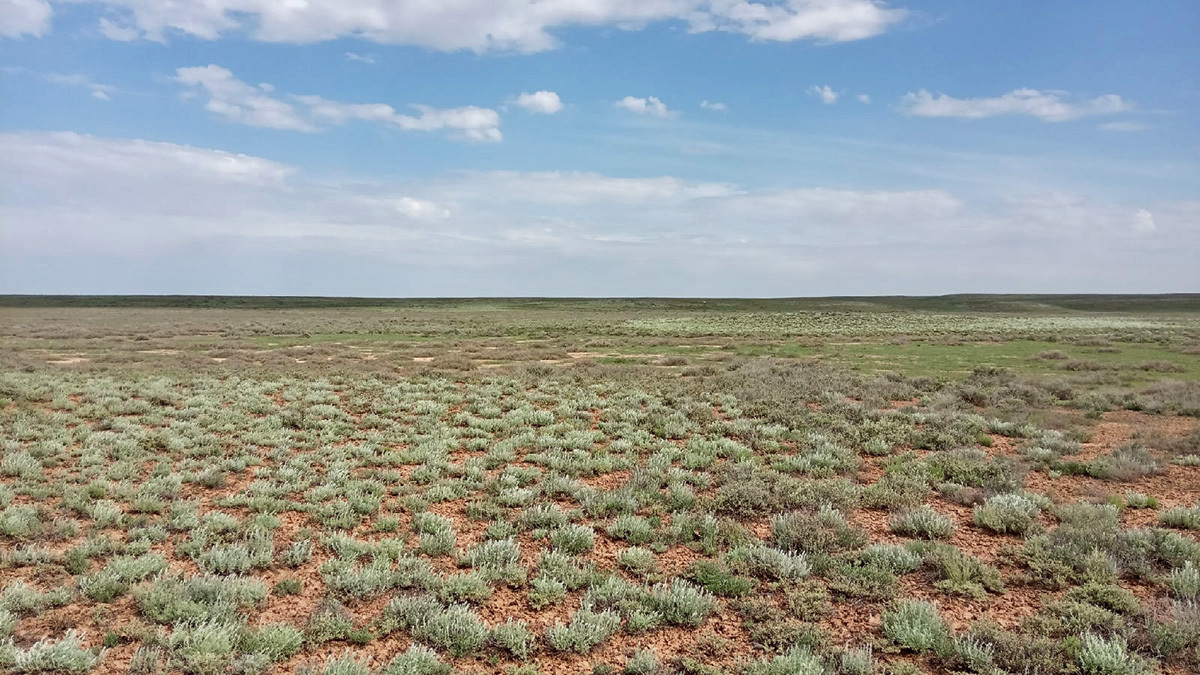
1184 582
515 637
796 661
643 662
417 660
62 655
573 539
857 661
586 630
638 560
922 522
1101 656
345 664
457 629
681 603
1181 517
205 647
275 641
892 557
1007 513
766 562
915 624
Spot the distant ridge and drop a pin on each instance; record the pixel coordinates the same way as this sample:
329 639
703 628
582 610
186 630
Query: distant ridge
967 302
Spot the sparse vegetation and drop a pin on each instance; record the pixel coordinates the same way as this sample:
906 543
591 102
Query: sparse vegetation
628 468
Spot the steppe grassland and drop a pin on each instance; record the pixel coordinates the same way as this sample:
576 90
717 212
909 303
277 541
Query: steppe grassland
598 487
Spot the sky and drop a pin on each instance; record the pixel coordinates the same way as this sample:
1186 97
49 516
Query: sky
692 148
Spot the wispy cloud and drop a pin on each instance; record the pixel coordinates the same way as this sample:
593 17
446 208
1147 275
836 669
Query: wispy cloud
1049 106
477 25
1124 126
100 91
361 58
237 101
714 105
77 197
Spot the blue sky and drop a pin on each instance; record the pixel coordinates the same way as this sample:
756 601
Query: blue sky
599 147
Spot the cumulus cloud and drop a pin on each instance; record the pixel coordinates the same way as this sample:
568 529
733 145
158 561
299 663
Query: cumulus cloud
714 105
1049 106
24 17
825 93
544 102
477 25
864 99
243 103
174 218
645 106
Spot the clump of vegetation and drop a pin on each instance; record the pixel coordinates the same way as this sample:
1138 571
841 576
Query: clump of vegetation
915 624
1007 513
922 522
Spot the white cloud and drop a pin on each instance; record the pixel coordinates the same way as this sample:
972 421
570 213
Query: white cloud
240 102
1050 106
645 106
1143 221
172 218
826 94
466 123
714 105
98 90
120 33
102 92
822 20
864 99
1124 126
24 17
544 102
361 58
483 25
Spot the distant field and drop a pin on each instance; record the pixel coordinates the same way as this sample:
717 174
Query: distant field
833 486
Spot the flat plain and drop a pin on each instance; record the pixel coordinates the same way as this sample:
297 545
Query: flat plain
842 486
